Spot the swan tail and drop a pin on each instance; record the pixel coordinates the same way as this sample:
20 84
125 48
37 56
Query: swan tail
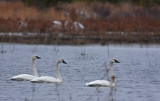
91 85
36 81
16 79
87 84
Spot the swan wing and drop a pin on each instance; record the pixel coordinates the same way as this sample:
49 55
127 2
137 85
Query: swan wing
23 77
45 79
98 83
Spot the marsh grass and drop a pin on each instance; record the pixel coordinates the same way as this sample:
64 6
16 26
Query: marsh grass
104 23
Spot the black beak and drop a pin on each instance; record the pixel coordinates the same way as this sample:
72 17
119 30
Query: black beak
38 57
64 62
117 61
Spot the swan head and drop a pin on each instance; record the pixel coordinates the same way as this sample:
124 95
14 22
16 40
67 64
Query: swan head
35 57
60 60
113 60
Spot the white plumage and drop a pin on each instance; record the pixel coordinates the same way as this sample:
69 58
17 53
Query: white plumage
23 77
98 83
105 83
48 79
27 77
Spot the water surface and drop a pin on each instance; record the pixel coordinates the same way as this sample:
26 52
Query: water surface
137 76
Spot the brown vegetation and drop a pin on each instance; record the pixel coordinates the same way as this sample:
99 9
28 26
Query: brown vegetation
104 22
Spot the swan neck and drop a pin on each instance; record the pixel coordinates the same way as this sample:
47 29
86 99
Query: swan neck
34 69
112 73
57 72
111 68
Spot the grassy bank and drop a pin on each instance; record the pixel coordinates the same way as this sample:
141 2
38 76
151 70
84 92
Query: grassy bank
79 23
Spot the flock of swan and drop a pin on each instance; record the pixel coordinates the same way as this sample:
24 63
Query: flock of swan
47 79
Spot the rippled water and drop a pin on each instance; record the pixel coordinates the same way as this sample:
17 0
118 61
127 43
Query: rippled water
137 76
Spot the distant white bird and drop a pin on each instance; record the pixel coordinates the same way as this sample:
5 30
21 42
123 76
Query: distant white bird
57 23
22 24
48 79
78 25
104 83
27 77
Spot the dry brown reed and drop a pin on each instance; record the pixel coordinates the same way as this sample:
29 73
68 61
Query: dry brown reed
103 23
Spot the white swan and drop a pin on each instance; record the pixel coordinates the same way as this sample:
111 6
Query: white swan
27 77
104 83
48 79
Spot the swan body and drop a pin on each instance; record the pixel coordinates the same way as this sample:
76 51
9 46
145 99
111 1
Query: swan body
105 83
23 77
99 83
48 79
27 77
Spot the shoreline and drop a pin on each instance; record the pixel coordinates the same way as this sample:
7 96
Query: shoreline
79 23
74 39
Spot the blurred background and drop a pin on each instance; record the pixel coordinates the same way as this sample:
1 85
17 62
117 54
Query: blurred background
80 21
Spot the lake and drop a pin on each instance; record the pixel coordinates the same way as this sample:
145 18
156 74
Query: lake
137 74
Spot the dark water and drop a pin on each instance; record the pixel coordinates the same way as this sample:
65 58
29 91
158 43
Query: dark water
137 76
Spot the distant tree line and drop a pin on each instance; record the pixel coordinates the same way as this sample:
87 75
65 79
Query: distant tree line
47 3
